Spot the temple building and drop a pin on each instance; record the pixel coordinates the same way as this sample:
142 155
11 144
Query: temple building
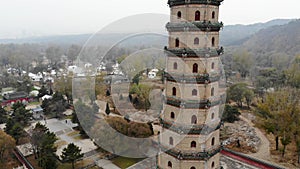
190 119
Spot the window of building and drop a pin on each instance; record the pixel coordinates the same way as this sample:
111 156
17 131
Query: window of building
177 42
194 92
194 119
213 65
170 164
195 68
172 115
212 92
196 41
197 16
174 91
193 168
213 42
175 65
213 15
213 141
179 15
213 164
193 144
212 116
171 141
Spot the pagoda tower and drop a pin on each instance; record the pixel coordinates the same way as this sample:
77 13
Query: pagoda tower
190 118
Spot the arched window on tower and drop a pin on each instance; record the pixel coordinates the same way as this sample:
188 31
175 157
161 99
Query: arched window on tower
194 92
212 91
193 144
177 42
212 164
213 15
212 65
195 68
194 119
213 141
175 65
172 115
174 91
212 116
213 42
170 164
193 168
171 141
197 16
196 41
179 15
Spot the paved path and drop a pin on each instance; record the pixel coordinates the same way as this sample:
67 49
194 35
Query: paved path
264 147
106 164
148 163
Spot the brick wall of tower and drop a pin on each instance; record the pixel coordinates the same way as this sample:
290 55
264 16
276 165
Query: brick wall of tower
185 65
184 116
181 110
187 39
177 164
204 142
188 13
184 91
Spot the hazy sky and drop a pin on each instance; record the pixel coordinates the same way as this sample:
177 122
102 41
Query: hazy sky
20 18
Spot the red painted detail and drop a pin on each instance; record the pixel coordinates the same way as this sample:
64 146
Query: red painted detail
7 102
22 160
245 160
19 158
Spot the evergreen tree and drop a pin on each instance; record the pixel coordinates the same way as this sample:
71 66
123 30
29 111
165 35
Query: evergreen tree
17 105
48 159
71 153
3 117
37 133
231 114
42 92
14 129
22 116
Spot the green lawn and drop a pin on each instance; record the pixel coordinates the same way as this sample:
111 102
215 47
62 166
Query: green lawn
65 166
34 103
78 164
124 162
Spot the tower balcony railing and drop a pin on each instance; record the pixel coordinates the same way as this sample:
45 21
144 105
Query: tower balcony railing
189 129
191 104
198 53
195 78
203 155
184 2
194 26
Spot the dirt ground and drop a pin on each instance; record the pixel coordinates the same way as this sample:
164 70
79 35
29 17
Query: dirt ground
267 148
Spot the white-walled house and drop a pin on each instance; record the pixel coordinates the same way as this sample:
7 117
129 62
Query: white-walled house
36 77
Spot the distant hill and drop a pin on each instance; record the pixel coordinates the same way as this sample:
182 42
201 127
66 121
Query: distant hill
109 39
275 45
230 35
276 39
237 34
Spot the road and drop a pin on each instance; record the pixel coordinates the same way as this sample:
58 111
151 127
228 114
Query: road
264 147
